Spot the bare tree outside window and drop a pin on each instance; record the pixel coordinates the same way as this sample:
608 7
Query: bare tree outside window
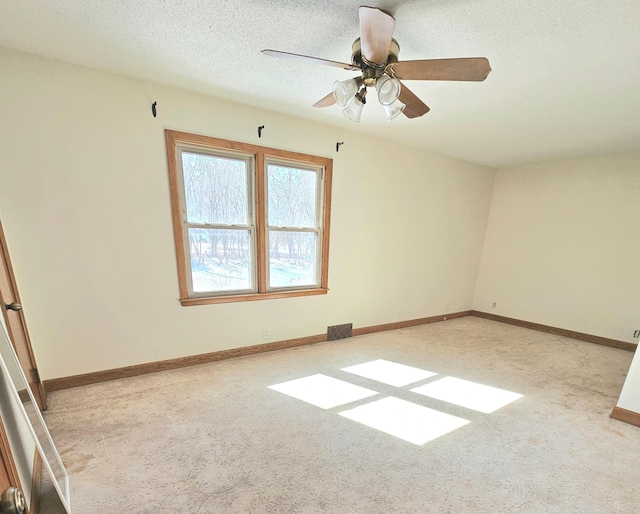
292 204
217 195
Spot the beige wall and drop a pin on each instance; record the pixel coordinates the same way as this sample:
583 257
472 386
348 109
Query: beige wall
563 246
85 206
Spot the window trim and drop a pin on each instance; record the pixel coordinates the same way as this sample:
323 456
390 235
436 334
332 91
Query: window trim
261 154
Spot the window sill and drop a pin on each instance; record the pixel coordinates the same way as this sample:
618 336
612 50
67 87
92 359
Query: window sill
185 302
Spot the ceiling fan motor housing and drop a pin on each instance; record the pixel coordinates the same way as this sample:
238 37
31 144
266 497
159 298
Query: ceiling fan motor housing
371 72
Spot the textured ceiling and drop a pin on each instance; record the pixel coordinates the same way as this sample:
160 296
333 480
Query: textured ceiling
565 79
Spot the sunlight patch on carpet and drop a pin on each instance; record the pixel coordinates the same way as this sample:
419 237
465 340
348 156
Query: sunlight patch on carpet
405 420
467 394
323 391
390 373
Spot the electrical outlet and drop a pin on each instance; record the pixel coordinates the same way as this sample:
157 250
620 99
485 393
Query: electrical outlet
636 333
265 333
446 307
398 314
494 305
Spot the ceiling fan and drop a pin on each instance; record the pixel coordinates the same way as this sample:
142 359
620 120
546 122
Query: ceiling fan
375 54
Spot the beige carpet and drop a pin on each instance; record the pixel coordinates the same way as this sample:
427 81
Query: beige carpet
216 439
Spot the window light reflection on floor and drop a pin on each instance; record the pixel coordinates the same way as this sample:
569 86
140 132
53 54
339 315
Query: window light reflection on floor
467 394
323 391
390 373
405 420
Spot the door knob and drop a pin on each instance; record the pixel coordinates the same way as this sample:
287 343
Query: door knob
15 306
12 501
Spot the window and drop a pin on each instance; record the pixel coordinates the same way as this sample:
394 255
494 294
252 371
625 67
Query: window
250 222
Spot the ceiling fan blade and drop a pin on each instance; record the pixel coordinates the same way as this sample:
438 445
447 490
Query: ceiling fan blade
414 106
472 68
311 60
327 101
376 29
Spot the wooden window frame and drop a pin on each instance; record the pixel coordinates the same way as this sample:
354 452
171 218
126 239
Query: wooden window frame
261 154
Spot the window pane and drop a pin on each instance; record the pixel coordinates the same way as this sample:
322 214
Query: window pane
215 189
292 258
292 196
220 260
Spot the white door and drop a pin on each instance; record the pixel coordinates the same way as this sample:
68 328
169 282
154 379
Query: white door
27 434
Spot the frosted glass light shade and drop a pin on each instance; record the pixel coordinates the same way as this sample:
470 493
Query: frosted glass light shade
388 89
345 90
353 110
394 109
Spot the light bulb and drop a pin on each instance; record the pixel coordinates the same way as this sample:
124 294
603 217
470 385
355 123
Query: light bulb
353 110
388 89
394 109
345 90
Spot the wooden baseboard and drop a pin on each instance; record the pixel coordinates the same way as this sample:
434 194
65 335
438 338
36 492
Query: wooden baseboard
622 345
408 323
57 384
628 416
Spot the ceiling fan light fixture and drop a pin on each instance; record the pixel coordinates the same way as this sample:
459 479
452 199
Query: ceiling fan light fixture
394 109
345 90
388 89
353 110
375 55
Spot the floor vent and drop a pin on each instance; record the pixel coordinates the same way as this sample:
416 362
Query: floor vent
339 331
